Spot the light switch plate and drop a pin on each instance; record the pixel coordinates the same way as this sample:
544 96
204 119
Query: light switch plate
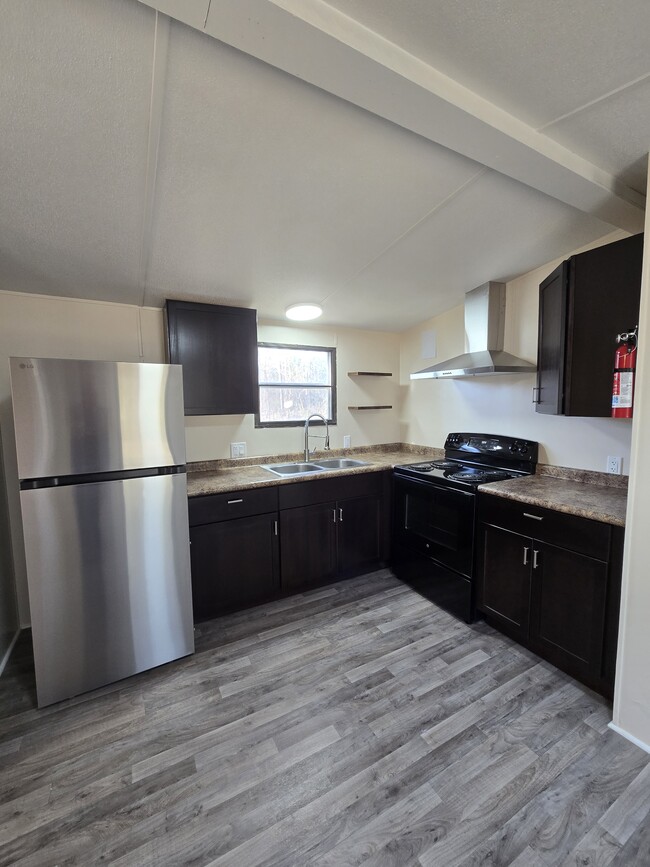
346 441
237 450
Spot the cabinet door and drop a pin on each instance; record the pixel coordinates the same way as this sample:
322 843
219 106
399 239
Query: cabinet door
217 346
504 579
552 341
567 617
234 564
359 534
597 313
308 546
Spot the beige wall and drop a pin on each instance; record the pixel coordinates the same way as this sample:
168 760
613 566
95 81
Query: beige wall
210 436
64 328
632 696
502 404
68 328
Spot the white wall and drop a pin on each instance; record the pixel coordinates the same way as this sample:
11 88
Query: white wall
502 404
47 326
632 696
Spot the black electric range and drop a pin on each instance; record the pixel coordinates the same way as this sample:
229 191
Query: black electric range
435 513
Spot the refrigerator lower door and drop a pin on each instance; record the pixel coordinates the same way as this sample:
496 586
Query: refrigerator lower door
108 571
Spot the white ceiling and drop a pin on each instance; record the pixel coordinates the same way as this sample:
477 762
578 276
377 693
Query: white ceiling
304 155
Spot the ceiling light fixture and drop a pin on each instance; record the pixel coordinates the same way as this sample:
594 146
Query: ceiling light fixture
303 312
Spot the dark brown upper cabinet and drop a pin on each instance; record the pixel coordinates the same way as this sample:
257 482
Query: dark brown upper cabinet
583 305
217 347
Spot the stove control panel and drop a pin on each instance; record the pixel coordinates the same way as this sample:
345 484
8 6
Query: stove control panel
475 446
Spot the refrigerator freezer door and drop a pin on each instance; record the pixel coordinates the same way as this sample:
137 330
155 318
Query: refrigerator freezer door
75 417
109 581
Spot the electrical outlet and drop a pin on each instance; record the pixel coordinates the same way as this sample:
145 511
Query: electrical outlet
614 464
237 450
347 439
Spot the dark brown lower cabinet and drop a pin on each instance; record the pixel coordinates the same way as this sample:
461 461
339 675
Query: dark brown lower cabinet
308 538
244 551
504 581
359 534
567 610
333 528
547 590
235 555
234 564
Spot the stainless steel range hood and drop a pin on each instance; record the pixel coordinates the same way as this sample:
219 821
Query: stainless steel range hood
485 311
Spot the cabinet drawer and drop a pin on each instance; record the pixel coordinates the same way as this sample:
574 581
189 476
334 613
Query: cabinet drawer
236 504
591 538
323 490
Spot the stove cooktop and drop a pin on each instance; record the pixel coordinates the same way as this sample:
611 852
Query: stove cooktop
455 471
475 459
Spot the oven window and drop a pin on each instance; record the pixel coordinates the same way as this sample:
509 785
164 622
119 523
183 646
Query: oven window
438 522
434 517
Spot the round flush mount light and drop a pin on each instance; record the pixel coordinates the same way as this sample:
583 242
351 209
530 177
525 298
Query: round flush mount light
303 312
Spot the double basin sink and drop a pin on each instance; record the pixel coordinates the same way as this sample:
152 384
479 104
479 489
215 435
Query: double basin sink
304 468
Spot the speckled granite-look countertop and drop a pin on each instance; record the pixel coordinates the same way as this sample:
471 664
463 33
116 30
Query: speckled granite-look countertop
220 477
575 493
598 496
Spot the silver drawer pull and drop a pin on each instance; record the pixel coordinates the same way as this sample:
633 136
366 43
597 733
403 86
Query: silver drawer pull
231 502
340 514
534 517
535 553
526 550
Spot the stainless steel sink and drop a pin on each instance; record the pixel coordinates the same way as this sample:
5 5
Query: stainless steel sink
302 468
340 463
297 469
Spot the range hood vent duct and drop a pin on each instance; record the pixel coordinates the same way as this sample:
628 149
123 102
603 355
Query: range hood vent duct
485 314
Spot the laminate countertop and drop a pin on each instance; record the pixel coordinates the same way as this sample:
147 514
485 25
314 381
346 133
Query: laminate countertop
576 492
575 496
221 477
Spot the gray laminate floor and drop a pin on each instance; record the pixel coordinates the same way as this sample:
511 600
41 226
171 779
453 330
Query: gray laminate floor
354 724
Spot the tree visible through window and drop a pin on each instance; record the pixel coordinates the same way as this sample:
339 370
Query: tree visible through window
295 381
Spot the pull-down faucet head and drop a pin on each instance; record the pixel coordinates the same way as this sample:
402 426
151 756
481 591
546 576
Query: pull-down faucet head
320 436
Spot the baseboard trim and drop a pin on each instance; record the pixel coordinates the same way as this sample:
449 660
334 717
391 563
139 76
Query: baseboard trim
629 737
5 658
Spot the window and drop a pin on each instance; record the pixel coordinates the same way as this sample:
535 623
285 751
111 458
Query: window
295 381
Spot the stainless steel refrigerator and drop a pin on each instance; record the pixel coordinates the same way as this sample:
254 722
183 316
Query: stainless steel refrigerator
101 461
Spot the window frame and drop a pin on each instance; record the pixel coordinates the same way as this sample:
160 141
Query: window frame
331 350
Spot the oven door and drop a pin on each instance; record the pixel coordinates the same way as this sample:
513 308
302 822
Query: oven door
433 544
437 522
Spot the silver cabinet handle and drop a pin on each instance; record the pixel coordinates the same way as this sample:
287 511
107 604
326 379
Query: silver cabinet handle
536 391
334 515
275 528
340 514
535 553
526 550
534 517
231 502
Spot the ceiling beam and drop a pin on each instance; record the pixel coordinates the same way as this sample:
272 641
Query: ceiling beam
320 45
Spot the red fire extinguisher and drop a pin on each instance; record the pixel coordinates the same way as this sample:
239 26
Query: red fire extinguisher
624 373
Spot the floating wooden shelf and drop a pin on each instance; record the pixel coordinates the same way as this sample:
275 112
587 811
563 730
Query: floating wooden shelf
370 407
367 373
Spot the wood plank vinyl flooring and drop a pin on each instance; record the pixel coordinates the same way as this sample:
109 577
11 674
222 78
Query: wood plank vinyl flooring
356 724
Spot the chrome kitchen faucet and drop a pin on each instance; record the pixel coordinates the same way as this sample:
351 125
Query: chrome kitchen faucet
320 436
